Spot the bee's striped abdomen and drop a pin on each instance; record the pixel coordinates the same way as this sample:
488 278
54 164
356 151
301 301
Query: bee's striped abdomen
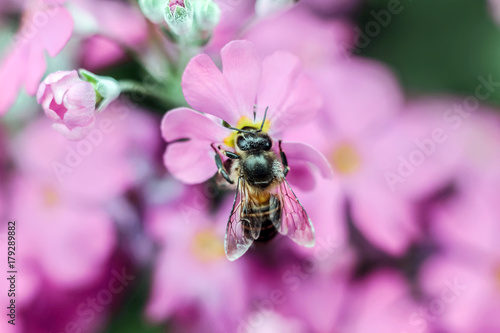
263 215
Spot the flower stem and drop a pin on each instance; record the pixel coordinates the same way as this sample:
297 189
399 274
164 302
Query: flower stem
139 93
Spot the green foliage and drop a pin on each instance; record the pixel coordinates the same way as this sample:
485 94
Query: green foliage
437 46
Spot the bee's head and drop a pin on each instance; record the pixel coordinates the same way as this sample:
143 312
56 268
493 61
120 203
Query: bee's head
253 140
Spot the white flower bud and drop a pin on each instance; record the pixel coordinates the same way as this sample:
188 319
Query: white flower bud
207 14
153 9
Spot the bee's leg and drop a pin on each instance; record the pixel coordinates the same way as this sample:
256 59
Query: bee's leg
220 167
229 154
284 161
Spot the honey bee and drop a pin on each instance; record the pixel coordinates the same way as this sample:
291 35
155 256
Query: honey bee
264 203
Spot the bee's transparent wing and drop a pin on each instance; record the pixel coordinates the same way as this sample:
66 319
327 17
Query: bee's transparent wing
238 241
294 221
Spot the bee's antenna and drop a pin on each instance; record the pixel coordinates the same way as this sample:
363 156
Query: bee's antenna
255 112
263 120
239 130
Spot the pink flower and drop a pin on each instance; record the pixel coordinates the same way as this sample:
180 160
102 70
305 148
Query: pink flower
233 17
25 64
463 289
57 228
109 28
276 83
70 102
109 161
305 40
463 280
193 282
381 303
313 296
363 101
70 229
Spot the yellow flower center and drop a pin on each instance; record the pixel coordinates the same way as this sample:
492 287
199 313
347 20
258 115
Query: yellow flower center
207 246
50 196
345 159
246 122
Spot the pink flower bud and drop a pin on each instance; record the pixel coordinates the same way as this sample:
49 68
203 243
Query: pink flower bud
69 102
174 3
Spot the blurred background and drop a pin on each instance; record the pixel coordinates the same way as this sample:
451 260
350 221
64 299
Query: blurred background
107 240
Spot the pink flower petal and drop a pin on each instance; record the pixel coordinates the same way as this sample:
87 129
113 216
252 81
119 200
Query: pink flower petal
36 67
60 82
387 221
184 123
191 161
99 52
75 133
119 22
80 101
289 94
57 32
279 71
53 110
301 106
206 89
242 68
12 73
306 40
297 152
301 176
360 95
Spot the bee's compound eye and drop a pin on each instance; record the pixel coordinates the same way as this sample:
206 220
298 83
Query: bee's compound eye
241 142
268 144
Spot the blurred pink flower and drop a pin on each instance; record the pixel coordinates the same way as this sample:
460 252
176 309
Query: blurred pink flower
463 280
66 242
111 29
70 102
109 161
193 283
441 143
467 221
277 82
305 40
478 138
468 218
463 290
380 303
363 101
233 17
306 287
314 297
68 233
24 65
